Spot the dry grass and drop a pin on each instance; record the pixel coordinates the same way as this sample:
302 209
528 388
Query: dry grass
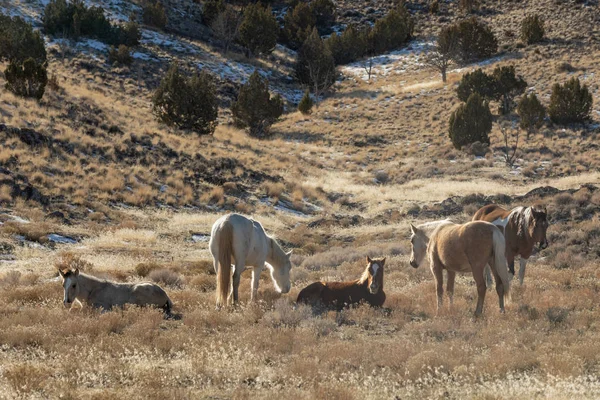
374 157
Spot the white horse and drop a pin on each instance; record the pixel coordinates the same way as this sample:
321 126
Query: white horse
245 240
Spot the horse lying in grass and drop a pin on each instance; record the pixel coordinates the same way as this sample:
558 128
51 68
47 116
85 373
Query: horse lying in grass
462 248
524 227
337 295
100 293
245 240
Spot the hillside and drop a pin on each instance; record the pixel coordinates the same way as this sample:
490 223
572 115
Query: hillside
90 178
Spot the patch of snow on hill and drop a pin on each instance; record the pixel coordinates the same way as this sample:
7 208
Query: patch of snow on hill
400 61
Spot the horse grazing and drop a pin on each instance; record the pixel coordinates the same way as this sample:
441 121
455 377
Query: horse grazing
462 248
100 293
524 227
245 240
337 295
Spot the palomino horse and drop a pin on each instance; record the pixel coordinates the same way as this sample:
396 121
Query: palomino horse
462 248
337 295
100 293
525 226
245 240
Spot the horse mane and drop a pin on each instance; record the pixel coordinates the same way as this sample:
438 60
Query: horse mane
277 251
429 227
521 217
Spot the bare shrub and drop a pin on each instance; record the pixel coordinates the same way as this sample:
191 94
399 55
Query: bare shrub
166 277
26 378
285 314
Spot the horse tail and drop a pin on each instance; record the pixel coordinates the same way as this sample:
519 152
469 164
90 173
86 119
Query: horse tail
500 264
224 256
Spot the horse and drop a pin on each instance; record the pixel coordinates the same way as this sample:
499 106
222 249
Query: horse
244 239
462 248
103 294
337 295
524 227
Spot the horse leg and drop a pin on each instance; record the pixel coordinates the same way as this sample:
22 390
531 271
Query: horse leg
436 269
488 276
237 274
481 289
522 265
450 286
499 288
510 258
255 279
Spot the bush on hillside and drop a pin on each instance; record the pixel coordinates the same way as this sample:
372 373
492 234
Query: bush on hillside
187 103
477 82
392 31
532 29
27 78
211 9
324 12
570 102
225 27
298 25
508 85
532 113
389 33
74 19
315 66
471 122
444 52
153 14
259 30
255 108
477 41
306 104
348 46
18 40
120 55
25 52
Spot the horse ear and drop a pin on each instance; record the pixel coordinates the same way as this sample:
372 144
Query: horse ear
382 262
76 272
289 253
369 261
61 273
413 229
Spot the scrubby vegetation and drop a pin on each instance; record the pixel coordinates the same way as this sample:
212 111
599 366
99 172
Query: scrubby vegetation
315 66
531 112
476 40
25 52
570 102
471 122
532 29
306 104
258 30
388 33
74 19
153 14
255 108
188 103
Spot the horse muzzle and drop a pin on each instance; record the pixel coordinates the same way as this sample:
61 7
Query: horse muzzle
286 289
543 245
373 289
413 264
67 303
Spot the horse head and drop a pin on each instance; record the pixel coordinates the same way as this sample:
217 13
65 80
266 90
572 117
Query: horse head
281 273
70 282
418 244
539 225
374 274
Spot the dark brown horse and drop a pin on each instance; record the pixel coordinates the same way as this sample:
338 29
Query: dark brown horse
337 295
523 228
